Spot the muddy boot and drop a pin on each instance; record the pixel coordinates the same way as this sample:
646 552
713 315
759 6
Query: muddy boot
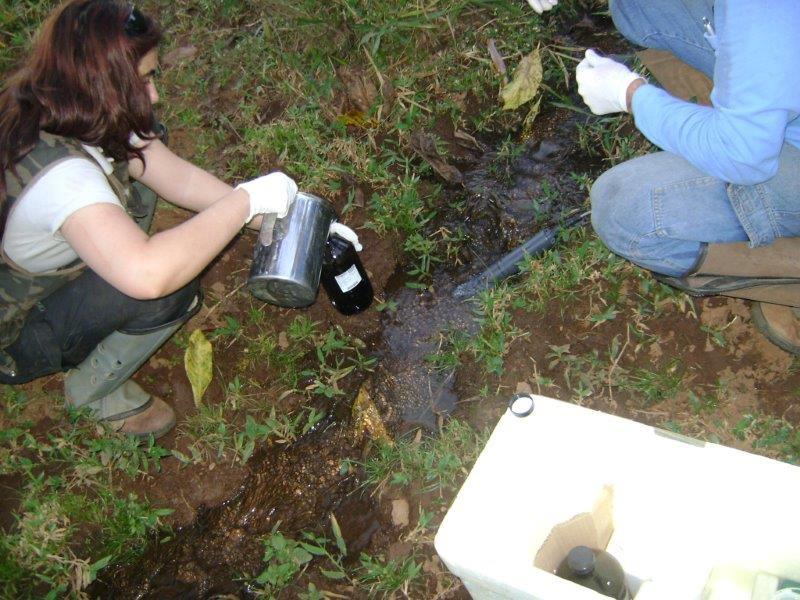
102 383
770 275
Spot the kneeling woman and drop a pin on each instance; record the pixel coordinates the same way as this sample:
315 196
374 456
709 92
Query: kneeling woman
83 287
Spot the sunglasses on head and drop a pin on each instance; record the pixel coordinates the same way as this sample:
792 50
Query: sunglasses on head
135 24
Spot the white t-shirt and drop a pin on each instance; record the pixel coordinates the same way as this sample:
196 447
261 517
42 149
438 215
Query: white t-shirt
32 238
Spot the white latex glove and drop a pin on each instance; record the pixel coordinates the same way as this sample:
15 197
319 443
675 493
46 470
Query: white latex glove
542 5
273 193
344 232
603 83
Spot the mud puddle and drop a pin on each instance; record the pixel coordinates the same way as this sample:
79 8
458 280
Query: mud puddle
504 199
508 195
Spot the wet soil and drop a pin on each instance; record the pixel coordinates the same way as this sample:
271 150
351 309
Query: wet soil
223 511
281 485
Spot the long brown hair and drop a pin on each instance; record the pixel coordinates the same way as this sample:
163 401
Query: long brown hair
81 81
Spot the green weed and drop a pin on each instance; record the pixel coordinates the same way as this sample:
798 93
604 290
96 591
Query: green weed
384 577
496 330
284 559
70 520
438 464
776 437
658 385
612 138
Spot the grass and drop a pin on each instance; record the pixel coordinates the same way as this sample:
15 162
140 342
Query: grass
73 517
307 362
332 93
286 559
436 465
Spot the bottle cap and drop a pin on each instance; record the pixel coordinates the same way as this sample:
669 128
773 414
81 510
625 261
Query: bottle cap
521 405
580 560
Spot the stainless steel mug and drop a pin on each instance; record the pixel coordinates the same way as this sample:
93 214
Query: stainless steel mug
287 260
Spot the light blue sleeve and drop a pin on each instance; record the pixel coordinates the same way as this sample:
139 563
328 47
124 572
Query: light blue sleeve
756 94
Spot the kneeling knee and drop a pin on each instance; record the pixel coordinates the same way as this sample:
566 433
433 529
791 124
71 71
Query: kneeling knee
604 196
167 310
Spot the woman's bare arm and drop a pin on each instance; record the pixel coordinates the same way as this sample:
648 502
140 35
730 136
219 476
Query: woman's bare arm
178 181
112 245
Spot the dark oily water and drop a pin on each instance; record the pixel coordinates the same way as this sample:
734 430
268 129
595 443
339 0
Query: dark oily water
503 202
209 558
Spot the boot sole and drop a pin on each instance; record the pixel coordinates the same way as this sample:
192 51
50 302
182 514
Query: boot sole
712 285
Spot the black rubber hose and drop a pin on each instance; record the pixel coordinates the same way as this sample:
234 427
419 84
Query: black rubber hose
510 263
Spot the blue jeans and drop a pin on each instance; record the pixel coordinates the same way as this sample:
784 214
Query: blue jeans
658 210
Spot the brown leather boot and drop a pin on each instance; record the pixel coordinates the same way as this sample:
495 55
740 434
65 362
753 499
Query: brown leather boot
765 274
779 324
768 275
156 419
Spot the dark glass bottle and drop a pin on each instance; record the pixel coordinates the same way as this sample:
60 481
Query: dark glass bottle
596 570
344 278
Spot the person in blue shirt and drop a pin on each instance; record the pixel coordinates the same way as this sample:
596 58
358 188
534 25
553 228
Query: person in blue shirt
717 210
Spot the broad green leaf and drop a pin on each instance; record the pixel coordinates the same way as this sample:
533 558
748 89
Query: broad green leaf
526 82
333 574
315 550
198 361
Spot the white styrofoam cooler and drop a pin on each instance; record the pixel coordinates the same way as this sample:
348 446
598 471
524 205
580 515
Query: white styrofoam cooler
680 507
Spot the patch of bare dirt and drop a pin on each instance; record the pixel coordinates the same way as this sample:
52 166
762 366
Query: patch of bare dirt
747 375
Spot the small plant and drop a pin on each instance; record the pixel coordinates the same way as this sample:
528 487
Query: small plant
423 252
658 385
389 306
452 344
284 559
656 297
496 330
583 375
705 403
717 334
501 165
400 209
777 436
385 577
612 138
232 329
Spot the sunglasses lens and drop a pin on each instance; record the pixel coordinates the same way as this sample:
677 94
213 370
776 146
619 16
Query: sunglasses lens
136 23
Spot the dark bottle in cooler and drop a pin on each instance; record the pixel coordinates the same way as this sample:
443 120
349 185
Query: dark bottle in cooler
596 570
344 278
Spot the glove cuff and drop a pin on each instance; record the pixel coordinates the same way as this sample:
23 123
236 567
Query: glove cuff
625 83
243 186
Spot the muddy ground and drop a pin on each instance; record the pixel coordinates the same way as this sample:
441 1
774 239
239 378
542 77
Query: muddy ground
221 508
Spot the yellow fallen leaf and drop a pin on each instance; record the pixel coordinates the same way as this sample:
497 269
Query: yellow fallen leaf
526 82
198 361
367 418
357 119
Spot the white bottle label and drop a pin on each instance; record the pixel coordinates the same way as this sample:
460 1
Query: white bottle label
349 279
